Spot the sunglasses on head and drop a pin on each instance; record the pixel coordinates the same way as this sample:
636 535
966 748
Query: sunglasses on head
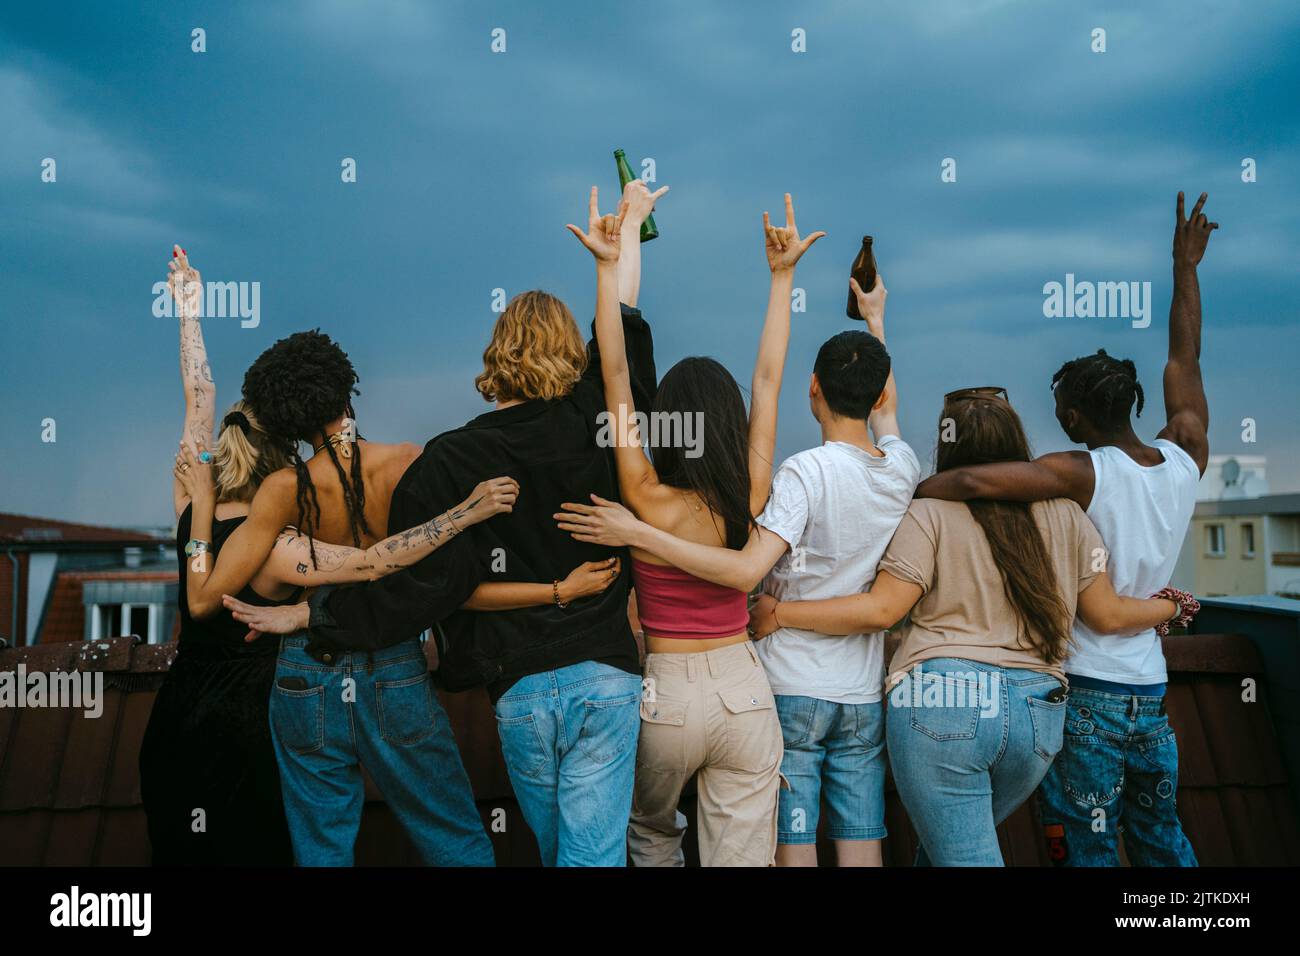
982 391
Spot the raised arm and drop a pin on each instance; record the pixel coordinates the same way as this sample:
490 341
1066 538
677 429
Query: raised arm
609 524
604 240
1109 613
200 392
1187 412
1066 474
884 605
871 306
783 248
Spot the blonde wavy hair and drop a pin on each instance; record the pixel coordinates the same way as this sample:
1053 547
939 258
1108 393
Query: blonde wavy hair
536 351
245 456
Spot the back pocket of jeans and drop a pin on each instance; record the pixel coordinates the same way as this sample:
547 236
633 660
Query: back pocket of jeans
405 709
1048 718
521 745
298 718
956 714
608 727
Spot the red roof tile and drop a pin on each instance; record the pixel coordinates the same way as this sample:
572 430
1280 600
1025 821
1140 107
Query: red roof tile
26 529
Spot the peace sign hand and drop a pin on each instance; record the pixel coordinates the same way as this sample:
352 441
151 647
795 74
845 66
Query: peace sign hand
783 245
602 237
1191 235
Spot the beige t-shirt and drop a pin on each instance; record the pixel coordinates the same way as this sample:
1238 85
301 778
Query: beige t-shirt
963 611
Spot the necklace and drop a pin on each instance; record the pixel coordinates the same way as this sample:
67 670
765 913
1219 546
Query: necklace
340 441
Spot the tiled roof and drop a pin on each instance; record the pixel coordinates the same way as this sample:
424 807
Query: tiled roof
69 790
24 529
65 615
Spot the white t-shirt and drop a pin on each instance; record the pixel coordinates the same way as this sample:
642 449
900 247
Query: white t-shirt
837 507
1142 514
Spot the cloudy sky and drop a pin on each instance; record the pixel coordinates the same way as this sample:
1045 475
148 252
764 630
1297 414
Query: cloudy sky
469 163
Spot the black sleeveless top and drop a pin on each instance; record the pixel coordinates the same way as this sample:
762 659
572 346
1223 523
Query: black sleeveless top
220 630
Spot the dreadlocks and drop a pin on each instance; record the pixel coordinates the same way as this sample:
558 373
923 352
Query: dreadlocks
298 386
1101 388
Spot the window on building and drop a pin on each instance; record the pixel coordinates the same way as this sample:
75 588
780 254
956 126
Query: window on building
118 620
1214 540
1248 541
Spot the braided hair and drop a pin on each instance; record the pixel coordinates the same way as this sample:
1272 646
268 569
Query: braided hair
298 386
1100 387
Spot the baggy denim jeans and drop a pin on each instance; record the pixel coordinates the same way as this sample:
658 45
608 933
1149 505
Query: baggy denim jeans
1117 771
382 714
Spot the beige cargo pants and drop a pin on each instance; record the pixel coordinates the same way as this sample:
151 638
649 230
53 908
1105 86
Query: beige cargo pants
711 714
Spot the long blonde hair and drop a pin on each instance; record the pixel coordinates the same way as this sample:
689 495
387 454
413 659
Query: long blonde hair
245 455
536 351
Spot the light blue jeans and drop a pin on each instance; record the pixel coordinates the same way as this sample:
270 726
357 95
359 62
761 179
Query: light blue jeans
569 740
968 743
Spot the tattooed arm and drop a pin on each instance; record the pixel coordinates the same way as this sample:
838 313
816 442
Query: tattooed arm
196 377
291 558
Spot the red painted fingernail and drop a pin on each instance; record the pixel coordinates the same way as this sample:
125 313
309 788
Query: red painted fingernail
173 253
184 253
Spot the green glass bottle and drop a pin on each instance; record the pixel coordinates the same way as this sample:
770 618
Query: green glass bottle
648 228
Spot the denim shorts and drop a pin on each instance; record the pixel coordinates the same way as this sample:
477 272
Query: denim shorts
833 753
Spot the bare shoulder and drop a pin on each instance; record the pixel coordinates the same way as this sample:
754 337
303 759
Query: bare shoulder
281 484
1067 462
393 459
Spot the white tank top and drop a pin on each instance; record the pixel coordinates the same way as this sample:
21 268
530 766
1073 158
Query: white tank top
1142 515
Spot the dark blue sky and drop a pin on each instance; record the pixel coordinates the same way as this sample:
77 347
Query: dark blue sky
470 163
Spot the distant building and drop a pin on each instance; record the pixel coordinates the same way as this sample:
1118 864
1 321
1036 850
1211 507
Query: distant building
62 581
1233 476
1239 546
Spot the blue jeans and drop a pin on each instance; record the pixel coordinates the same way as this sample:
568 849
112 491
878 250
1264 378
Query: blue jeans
1118 769
968 743
837 752
569 741
387 718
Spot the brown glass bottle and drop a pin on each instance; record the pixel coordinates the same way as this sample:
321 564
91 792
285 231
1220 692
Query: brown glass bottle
864 270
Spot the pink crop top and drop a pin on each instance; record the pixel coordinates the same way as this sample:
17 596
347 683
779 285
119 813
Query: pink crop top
672 603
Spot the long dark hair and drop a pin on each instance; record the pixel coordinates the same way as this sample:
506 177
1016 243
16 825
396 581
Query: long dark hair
297 387
720 475
987 429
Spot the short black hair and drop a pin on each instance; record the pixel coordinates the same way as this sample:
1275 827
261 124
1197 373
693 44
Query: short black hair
852 368
1101 388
